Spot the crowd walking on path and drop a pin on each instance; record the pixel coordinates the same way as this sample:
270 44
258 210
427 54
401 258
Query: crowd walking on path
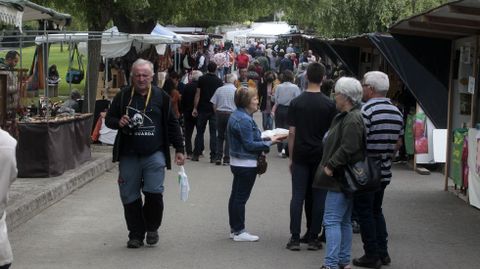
323 133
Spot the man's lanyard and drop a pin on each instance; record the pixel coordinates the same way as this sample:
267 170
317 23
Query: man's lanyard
146 101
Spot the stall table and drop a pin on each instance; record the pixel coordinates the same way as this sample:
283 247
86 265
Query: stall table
48 149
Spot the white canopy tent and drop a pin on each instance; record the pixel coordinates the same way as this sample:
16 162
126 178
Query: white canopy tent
15 12
270 30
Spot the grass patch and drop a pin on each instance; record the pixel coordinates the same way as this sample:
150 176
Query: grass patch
58 57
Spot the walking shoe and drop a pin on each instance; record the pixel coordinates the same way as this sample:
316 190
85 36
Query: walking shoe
134 243
194 158
386 260
226 163
314 244
293 244
245 237
218 162
152 238
305 238
367 262
355 227
284 155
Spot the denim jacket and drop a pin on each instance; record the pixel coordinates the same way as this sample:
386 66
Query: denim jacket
244 136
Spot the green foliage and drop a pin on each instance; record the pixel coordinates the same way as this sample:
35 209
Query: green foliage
352 17
56 56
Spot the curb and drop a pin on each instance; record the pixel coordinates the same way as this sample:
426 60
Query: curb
45 192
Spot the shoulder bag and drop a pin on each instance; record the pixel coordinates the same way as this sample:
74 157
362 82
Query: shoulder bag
74 75
363 176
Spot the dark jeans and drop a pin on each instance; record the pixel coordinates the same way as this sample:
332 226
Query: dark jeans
189 121
243 181
222 139
281 117
202 120
372 222
302 179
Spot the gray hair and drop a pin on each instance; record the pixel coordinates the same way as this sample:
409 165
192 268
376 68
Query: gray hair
378 81
231 78
196 74
350 88
140 62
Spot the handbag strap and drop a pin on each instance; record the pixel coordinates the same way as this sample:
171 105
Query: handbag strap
79 58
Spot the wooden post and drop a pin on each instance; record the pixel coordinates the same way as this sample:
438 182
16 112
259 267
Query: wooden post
450 115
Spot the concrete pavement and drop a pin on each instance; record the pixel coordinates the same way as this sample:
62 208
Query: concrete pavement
428 228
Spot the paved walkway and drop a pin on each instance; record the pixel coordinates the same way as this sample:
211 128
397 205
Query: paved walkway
428 228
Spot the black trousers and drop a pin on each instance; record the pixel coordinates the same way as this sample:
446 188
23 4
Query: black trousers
143 217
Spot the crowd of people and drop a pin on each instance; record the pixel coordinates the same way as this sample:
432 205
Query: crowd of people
326 131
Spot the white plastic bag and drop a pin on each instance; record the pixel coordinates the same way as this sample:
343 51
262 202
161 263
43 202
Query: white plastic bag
183 182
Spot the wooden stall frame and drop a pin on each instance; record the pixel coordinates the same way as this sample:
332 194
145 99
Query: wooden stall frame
449 117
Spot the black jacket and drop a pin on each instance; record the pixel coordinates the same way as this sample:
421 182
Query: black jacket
171 131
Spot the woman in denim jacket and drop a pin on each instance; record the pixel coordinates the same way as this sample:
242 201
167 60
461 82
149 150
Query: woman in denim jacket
246 145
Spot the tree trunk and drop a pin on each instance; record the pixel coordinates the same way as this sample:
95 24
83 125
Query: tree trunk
90 92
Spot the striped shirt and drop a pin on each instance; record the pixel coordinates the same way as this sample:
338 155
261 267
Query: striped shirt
384 126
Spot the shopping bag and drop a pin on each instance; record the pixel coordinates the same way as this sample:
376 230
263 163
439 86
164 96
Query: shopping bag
183 182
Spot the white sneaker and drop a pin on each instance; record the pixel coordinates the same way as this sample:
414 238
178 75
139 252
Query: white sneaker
245 237
232 235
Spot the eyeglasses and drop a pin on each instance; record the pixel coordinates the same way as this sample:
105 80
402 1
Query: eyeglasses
142 76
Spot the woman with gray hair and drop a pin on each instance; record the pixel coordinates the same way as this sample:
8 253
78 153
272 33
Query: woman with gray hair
342 146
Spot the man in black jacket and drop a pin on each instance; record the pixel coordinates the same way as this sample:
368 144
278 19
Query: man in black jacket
147 126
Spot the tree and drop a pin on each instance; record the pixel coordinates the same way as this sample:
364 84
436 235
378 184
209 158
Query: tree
341 18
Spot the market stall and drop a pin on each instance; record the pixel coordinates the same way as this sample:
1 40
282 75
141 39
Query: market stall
451 32
47 148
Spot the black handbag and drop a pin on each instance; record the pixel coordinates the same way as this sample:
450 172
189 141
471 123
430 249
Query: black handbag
363 176
74 75
262 164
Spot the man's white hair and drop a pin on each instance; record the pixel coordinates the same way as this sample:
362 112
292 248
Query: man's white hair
350 88
140 62
196 74
378 81
231 78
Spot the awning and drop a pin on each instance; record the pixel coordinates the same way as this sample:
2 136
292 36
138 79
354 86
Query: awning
452 20
114 43
15 12
430 93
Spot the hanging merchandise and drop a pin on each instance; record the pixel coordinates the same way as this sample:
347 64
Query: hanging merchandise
409 140
465 162
457 154
35 81
74 75
477 161
420 132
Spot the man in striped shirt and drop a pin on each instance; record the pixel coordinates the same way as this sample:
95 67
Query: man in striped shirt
384 125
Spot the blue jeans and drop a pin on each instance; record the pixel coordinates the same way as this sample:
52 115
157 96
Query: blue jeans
302 179
243 181
338 229
267 121
202 120
140 173
373 228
